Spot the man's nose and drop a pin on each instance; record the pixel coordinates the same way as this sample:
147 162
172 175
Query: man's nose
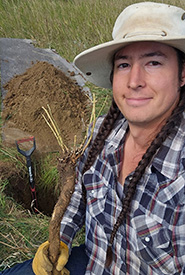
136 77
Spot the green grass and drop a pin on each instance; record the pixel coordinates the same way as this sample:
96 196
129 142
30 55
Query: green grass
62 25
69 27
48 173
4 183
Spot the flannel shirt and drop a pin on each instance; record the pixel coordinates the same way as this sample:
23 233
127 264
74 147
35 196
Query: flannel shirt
152 239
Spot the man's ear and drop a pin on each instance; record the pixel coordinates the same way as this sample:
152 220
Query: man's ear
183 76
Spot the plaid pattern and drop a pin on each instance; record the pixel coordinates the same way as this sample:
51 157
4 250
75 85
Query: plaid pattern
152 240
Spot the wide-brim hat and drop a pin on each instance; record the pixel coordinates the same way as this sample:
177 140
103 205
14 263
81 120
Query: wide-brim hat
146 21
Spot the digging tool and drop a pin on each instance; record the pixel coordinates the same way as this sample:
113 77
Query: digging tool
27 154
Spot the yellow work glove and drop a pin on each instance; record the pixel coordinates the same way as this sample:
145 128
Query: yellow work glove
41 264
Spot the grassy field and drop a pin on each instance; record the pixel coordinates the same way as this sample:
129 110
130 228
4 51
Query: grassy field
69 27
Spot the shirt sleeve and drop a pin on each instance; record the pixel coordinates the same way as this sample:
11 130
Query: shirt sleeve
178 236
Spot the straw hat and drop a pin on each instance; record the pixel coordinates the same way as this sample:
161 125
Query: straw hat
146 21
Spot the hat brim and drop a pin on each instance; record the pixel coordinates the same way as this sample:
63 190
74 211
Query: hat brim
97 62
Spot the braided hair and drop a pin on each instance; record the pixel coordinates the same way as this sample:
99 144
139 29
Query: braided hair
104 131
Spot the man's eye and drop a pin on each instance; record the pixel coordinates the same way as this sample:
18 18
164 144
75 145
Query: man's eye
123 65
154 63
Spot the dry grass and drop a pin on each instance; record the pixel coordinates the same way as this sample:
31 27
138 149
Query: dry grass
16 244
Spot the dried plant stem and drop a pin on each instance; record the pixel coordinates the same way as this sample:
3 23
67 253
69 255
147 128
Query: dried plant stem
92 121
54 128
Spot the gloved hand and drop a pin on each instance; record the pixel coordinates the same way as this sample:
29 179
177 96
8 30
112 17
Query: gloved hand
41 264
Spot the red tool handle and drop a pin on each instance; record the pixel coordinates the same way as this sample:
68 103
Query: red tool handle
27 154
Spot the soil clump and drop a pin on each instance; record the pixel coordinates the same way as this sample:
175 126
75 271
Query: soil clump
40 86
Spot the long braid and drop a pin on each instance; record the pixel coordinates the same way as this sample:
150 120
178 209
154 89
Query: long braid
174 121
98 143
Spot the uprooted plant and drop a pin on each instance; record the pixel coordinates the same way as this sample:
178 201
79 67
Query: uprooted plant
66 167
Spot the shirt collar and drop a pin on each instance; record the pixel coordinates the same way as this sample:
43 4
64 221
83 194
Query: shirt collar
166 160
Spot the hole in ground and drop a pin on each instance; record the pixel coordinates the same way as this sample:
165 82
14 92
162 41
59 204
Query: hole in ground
18 188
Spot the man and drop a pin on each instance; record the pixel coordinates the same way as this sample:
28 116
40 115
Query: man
130 186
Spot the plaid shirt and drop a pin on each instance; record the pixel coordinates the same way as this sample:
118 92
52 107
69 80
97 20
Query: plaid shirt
152 239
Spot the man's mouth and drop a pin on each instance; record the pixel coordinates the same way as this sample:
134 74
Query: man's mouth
137 102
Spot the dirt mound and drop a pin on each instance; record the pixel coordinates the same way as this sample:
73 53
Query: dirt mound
40 85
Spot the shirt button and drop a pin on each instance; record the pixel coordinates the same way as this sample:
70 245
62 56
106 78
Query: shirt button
147 239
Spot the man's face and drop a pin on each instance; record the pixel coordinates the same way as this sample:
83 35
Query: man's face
146 83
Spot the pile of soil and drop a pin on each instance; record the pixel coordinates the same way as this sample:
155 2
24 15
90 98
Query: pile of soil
40 85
